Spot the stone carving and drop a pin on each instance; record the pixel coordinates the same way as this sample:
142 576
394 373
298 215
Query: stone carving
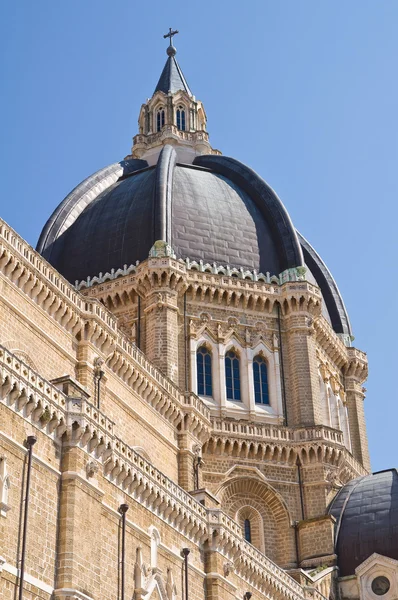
161 249
4 487
91 468
228 568
171 588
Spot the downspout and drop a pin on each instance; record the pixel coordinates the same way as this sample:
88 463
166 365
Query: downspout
300 482
282 366
185 552
30 442
186 343
99 376
138 340
123 508
296 539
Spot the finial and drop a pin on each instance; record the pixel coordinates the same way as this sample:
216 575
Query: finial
171 51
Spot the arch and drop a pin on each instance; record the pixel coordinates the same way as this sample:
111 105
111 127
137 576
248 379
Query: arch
250 519
324 401
272 360
21 351
204 371
160 118
142 452
233 375
205 340
180 118
260 377
155 541
334 409
245 491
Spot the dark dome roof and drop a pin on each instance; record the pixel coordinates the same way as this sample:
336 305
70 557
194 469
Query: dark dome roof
366 510
216 210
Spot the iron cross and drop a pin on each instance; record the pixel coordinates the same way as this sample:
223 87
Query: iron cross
170 35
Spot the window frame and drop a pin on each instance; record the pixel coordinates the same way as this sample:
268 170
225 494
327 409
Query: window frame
233 373
263 386
160 118
204 374
181 118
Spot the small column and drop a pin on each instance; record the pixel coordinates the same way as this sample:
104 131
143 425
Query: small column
193 368
356 374
277 378
356 419
161 283
304 403
250 384
219 575
186 456
79 537
161 314
221 370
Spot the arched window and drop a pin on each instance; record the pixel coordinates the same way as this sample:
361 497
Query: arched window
248 531
181 118
232 375
203 364
260 376
160 119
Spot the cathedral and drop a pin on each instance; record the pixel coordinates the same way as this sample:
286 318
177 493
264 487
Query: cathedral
181 405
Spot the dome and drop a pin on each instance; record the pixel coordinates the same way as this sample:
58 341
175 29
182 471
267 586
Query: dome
176 188
215 210
366 510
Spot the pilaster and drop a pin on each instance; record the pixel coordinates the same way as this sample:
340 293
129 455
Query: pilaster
161 282
79 535
218 569
356 373
161 314
304 404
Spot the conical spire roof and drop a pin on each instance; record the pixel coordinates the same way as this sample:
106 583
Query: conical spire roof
172 78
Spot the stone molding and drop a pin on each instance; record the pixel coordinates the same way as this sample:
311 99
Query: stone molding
283 445
51 292
79 423
194 270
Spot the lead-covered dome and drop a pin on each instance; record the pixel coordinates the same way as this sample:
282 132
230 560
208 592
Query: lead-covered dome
176 188
366 510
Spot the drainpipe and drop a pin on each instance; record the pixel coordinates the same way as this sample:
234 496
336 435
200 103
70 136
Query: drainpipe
185 552
186 343
123 508
30 442
138 339
300 482
296 539
282 366
98 377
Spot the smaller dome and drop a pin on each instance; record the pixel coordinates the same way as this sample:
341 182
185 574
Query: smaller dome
366 510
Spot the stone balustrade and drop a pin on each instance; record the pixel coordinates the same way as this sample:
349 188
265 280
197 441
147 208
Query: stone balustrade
36 278
78 422
265 432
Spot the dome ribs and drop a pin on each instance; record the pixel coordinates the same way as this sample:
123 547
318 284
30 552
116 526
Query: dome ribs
330 292
266 200
79 198
163 194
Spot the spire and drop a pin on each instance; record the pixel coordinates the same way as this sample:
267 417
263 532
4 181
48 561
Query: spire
172 78
174 117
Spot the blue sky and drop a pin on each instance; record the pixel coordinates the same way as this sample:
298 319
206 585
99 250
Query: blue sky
306 93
